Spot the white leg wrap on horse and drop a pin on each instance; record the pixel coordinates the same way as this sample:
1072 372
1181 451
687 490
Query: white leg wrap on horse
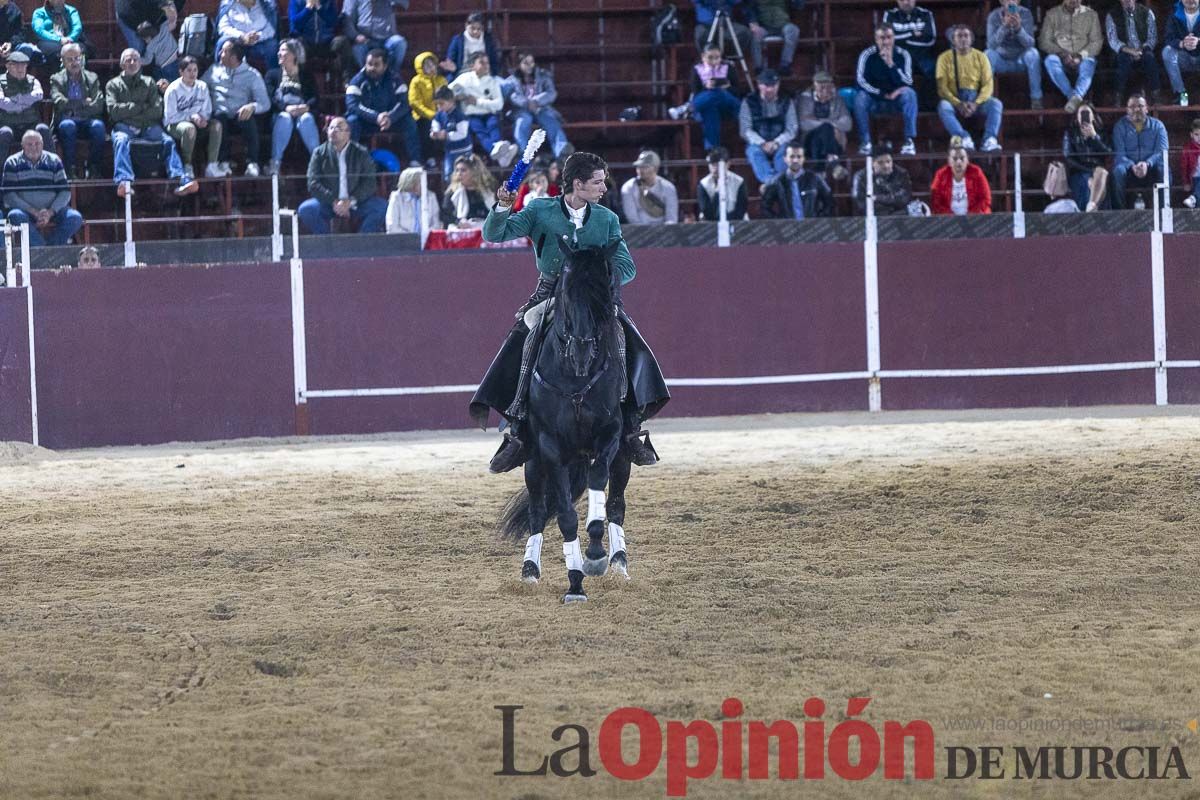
573 555
533 550
595 506
616 538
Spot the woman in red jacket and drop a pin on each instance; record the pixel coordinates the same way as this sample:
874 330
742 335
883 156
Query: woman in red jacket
960 187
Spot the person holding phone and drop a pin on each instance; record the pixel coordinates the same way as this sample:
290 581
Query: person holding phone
1011 46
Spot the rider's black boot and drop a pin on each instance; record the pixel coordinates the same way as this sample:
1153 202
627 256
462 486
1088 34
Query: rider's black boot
637 441
511 454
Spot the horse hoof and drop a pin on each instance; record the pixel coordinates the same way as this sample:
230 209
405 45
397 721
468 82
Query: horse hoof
530 572
619 565
572 597
595 567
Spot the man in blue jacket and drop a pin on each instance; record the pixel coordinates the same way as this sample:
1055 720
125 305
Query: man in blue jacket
378 103
885 86
1139 141
1181 39
318 24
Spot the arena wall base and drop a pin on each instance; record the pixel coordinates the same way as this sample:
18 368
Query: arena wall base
195 353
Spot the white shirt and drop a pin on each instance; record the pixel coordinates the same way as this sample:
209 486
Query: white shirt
576 215
958 197
1191 19
343 178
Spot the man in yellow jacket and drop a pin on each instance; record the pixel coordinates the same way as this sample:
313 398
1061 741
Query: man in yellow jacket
965 86
1071 38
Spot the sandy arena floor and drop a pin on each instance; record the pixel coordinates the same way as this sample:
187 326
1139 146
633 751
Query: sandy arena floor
334 618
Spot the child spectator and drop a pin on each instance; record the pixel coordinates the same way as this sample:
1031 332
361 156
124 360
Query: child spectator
547 168
160 51
960 187
421 89
1190 161
450 127
711 96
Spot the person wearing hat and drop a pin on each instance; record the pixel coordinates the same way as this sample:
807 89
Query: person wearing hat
824 123
708 193
649 199
20 97
767 123
575 216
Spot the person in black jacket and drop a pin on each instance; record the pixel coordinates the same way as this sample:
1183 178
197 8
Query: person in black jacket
708 190
797 193
12 33
293 96
131 13
893 186
1086 155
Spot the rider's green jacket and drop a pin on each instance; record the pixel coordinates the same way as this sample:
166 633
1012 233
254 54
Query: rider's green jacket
546 222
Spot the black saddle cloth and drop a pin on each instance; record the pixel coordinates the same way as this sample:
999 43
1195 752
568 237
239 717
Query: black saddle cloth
499 384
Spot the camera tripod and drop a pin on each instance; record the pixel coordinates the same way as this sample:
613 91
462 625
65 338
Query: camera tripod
722 26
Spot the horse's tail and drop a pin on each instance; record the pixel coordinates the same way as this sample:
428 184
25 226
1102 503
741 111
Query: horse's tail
514 519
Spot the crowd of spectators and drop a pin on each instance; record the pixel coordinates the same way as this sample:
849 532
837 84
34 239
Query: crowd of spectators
205 113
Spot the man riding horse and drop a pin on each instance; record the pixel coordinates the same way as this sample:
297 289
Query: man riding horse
574 217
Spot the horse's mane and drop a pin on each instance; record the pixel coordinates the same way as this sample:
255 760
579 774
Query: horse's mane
590 287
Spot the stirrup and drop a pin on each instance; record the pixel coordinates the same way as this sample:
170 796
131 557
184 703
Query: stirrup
640 449
510 455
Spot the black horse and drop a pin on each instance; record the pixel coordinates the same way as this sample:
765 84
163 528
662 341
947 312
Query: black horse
574 426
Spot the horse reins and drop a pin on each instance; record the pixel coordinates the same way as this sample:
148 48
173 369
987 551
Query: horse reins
576 398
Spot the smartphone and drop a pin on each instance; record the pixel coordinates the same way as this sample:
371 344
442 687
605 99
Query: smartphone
1013 8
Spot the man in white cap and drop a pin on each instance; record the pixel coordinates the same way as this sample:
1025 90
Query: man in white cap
649 199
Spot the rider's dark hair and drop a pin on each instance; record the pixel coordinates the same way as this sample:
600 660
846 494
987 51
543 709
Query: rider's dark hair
580 166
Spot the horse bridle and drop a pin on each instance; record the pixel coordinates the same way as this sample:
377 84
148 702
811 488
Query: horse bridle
576 398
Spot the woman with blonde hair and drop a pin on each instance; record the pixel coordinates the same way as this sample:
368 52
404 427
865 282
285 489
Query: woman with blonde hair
470 194
960 187
408 211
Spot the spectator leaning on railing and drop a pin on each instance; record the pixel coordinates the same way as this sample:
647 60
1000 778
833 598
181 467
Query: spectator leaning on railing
35 190
1012 47
341 180
648 198
78 111
1139 142
20 96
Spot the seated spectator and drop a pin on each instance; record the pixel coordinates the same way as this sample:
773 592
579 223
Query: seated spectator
89 258
78 111
708 192
711 97
135 109
1133 36
1071 39
132 13
532 98
35 190
188 111
470 195
1189 161
12 32
20 96
1011 46
1180 39
450 127
371 25
421 90
56 24
482 100
318 25
706 11
293 102
160 50
1138 144
407 210
884 77
893 186
965 86
341 180
960 187
475 38
542 170
378 103
774 19
767 123
1085 155
238 95
824 122
916 34
253 24
797 193
649 199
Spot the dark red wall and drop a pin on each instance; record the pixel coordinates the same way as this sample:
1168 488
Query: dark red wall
15 421
193 353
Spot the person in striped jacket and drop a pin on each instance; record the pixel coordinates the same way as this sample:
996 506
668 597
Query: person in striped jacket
885 86
35 190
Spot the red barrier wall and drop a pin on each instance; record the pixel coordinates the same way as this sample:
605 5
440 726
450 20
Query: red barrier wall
193 353
15 413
